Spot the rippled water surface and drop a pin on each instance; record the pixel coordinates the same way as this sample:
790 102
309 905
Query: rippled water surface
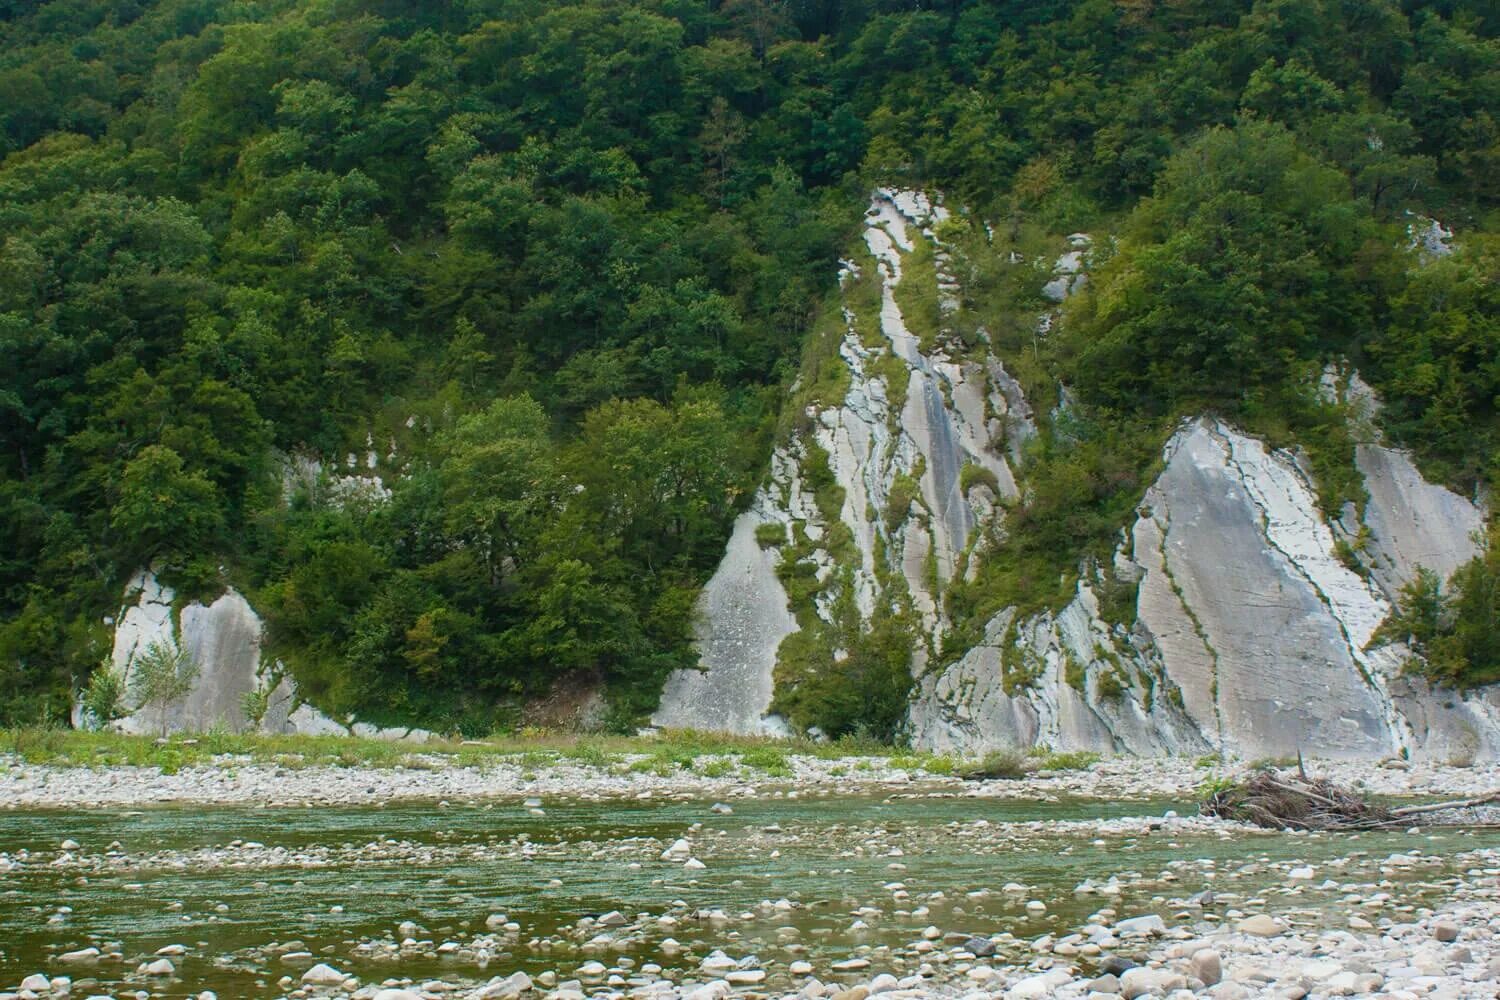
179 880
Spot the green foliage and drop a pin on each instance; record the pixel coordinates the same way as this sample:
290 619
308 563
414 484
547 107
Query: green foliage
1075 674
998 764
917 294
160 675
165 509
817 475
1243 261
846 680
1082 483
905 490
1349 554
770 534
771 760
591 754
1432 364
1118 598
492 244
973 474
255 704
941 764
1111 684
1452 629
715 767
1073 760
104 698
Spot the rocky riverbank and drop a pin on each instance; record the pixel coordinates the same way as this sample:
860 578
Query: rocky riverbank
433 777
750 875
1412 924
1449 955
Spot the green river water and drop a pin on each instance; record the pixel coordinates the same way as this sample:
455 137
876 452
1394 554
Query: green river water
177 880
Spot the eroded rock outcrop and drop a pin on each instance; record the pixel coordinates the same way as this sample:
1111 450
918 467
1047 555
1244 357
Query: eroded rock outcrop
872 494
744 618
1250 627
1251 635
221 643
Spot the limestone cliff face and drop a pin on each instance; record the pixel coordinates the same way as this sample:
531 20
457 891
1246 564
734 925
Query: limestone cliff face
1249 634
890 453
745 610
222 642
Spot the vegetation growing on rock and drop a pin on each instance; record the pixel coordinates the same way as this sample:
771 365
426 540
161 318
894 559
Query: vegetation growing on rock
547 269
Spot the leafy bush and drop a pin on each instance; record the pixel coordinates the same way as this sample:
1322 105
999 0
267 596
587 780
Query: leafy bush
905 489
772 760
104 698
862 694
998 764
941 764
1111 684
1075 760
255 704
770 534
1455 631
973 474
715 767
160 675
590 753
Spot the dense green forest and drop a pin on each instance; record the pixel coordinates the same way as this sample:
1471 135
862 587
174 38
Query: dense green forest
547 268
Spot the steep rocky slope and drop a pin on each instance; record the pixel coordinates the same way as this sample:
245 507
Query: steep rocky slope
870 497
1248 633
222 644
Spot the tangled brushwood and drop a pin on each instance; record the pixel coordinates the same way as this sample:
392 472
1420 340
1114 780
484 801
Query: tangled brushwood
1294 801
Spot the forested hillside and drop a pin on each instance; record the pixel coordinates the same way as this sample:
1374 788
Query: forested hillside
547 271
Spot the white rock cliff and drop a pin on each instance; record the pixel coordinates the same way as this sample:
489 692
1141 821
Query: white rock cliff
221 642
1250 634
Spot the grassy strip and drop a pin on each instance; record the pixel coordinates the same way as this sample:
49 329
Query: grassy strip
917 294
707 754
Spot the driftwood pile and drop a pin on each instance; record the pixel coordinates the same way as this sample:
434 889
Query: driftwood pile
1294 801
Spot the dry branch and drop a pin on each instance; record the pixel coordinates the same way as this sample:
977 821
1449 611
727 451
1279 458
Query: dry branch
1298 802
1482 800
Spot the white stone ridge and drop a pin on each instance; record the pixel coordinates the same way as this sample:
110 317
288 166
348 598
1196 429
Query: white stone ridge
1295 527
1234 522
1429 237
955 413
223 642
144 620
743 618
1251 630
1413 523
965 708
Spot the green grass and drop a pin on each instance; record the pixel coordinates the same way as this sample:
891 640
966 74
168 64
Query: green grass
1076 760
770 534
770 759
917 293
998 764
666 753
711 754
714 767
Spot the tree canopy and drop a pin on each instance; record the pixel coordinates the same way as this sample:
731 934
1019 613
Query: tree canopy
545 270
